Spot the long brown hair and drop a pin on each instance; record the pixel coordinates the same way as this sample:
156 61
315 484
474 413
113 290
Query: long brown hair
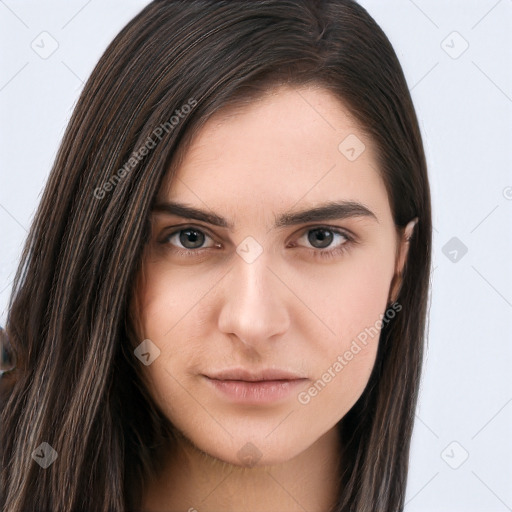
76 385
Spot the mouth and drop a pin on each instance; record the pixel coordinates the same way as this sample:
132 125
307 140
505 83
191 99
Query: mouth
252 388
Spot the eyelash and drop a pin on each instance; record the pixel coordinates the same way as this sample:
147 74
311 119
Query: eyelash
317 253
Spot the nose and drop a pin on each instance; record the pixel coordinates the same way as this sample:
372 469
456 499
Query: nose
254 302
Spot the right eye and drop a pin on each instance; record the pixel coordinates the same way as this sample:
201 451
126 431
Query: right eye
187 241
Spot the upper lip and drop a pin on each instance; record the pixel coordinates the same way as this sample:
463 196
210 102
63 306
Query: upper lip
242 374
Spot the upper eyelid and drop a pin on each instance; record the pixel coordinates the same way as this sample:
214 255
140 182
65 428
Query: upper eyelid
336 230
176 229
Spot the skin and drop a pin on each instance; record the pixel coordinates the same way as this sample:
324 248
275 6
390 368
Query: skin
287 309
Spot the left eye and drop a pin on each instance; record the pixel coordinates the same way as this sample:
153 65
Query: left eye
322 237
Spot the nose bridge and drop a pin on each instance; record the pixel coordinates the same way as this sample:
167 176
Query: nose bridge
253 306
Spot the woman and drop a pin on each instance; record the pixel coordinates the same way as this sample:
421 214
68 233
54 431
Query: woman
222 300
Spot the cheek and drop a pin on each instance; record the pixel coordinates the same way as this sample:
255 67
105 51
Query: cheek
339 384
168 297
169 306
356 304
352 298
343 363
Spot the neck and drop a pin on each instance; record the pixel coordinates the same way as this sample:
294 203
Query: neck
193 480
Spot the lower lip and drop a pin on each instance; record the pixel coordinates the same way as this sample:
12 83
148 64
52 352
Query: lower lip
257 392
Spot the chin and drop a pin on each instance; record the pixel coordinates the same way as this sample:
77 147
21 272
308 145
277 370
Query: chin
256 451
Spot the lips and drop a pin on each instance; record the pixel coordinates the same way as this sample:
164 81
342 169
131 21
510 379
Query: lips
255 388
248 376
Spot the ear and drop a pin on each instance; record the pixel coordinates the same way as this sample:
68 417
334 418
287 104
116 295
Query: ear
403 251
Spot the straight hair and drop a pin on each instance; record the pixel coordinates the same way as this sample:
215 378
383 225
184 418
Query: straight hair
77 385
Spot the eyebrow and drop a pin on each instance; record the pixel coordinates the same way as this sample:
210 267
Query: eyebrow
332 210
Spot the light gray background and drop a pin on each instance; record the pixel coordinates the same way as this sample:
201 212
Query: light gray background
464 104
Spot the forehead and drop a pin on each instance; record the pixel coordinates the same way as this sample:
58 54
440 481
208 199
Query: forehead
286 147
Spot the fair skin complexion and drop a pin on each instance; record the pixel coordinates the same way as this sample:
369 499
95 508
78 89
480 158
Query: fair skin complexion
276 303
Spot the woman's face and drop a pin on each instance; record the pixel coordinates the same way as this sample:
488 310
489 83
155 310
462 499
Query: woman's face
255 287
